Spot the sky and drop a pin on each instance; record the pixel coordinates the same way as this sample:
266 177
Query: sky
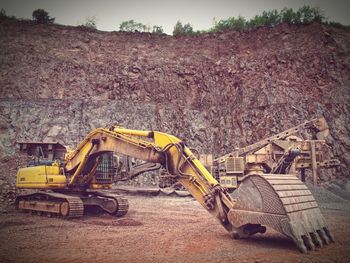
199 13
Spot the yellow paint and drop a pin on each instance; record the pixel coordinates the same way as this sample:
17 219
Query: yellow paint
40 177
132 132
181 161
100 186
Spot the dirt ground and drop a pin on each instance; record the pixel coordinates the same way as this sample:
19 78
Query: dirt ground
156 229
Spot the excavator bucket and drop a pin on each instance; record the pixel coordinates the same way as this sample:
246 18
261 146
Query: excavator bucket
281 202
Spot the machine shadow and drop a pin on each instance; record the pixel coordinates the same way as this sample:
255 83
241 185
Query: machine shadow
271 240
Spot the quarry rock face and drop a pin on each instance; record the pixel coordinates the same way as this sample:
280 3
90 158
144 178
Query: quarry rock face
215 91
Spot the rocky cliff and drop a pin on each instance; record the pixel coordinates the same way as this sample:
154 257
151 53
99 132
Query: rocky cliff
217 91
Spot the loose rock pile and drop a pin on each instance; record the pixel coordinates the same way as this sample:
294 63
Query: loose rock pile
8 171
332 195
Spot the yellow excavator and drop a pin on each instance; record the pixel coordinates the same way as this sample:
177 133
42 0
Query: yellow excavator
281 202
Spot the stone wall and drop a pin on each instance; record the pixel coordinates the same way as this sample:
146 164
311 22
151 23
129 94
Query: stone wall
215 91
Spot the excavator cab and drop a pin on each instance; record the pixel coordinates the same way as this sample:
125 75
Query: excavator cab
105 172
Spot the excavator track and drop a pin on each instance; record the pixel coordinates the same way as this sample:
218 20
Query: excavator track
51 203
72 206
284 203
122 204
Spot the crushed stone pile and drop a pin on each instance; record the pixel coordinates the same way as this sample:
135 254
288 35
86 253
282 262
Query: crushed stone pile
332 195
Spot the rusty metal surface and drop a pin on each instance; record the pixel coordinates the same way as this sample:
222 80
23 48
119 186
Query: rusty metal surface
283 203
43 206
318 125
285 152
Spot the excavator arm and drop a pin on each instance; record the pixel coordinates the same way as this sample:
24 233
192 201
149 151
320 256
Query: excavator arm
166 150
282 202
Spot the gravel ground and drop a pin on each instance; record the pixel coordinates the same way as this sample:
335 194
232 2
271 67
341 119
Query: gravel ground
332 195
156 229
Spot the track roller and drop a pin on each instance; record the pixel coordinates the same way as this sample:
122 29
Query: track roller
113 204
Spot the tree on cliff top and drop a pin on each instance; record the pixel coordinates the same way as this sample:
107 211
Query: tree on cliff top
157 30
133 26
90 22
180 29
42 17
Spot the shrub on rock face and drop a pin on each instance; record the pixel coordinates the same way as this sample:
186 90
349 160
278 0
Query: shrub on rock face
231 22
157 30
90 22
3 13
42 17
338 25
271 18
309 14
304 15
133 26
177 28
180 29
289 16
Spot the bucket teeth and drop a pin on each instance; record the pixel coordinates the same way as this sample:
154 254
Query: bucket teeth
323 236
300 245
329 234
316 239
283 203
308 242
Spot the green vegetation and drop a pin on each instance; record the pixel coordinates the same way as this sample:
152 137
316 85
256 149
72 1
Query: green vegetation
90 22
3 15
42 17
231 22
157 30
304 15
133 26
185 29
338 25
